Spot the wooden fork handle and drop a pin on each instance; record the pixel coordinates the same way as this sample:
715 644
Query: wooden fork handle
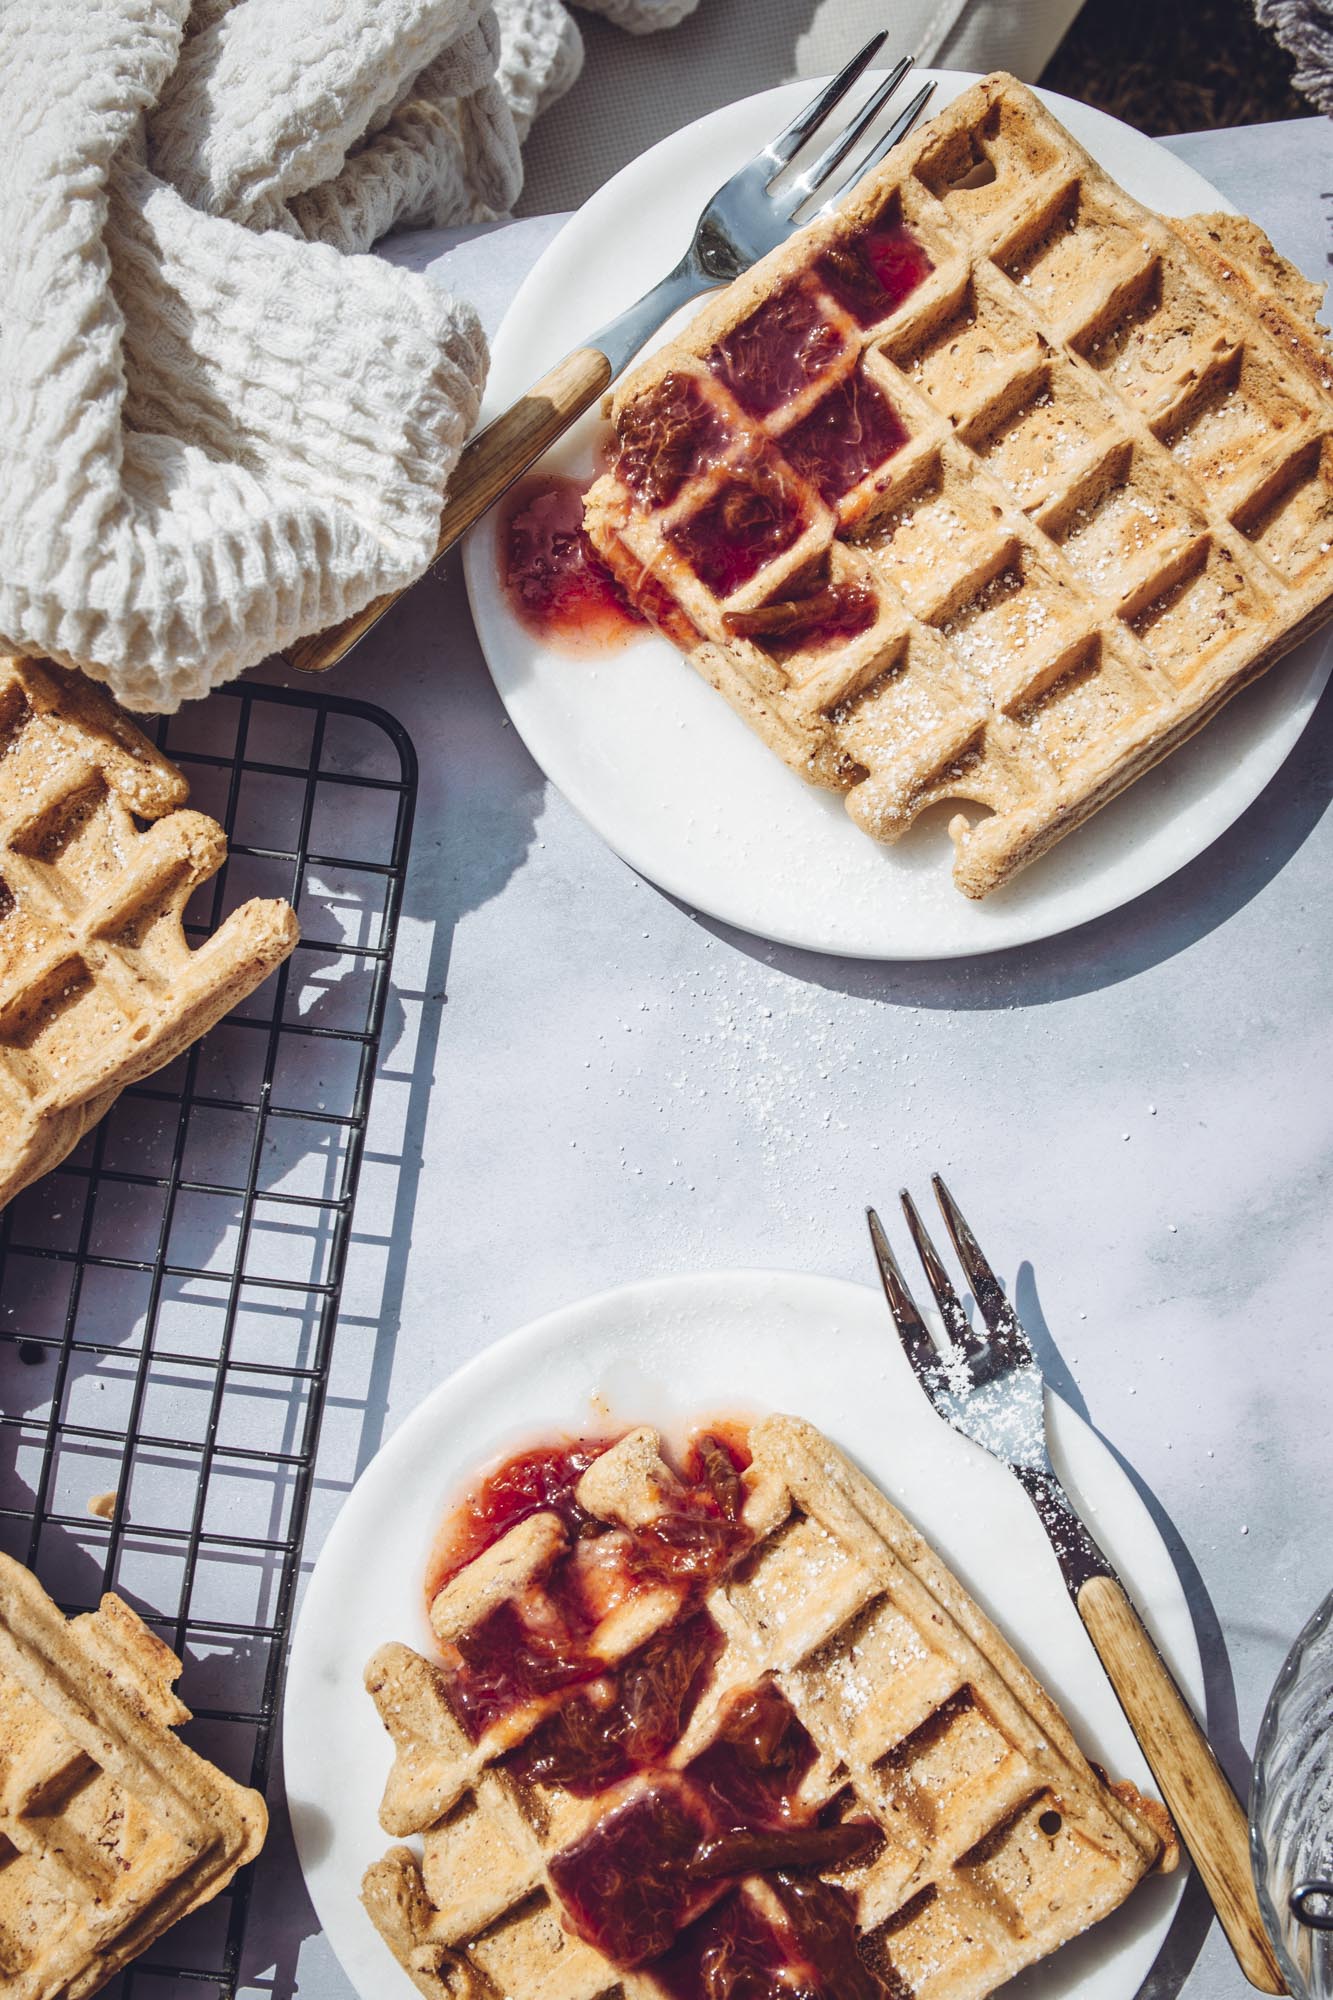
489 464
1207 1812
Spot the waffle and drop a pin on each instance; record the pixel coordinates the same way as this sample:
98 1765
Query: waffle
110 1828
1003 524
98 986
999 1840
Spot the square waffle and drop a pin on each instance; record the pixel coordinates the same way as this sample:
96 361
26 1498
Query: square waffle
110 1828
994 1840
98 986
992 487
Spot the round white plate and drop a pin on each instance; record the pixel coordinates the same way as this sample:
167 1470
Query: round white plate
676 783
670 1352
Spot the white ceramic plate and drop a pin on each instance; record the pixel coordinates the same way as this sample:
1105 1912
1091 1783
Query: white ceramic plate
671 1352
677 784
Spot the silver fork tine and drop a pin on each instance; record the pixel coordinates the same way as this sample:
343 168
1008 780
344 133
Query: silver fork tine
899 129
834 154
961 1335
789 142
1008 1342
917 1343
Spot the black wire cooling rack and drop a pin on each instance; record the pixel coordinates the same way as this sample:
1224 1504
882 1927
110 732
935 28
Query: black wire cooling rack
168 1296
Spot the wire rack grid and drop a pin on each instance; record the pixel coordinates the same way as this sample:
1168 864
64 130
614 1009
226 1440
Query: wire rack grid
168 1296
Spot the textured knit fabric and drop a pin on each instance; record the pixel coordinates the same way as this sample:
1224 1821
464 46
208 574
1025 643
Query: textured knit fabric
221 426
1305 30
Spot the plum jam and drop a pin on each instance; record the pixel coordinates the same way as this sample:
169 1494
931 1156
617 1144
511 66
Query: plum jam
589 1744
532 1482
652 1865
871 273
626 1885
805 624
735 1953
754 517
847 434
540 1644
772 355
556 582
655 1880
666 436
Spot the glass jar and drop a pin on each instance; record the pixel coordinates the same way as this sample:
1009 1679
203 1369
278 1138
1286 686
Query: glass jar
1291 1812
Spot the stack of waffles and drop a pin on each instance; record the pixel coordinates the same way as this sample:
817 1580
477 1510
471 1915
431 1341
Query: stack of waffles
98 986
993 487
993 1839
110 1828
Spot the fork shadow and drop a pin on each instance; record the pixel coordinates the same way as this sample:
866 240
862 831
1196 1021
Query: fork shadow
1193 1920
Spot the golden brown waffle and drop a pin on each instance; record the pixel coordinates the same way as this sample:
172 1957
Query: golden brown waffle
1111 508
1000 1841
110 1828
98 986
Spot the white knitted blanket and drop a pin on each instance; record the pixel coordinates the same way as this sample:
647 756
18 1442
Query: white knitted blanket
220 426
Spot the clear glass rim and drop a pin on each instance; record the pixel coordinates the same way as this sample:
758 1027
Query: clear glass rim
1276 1921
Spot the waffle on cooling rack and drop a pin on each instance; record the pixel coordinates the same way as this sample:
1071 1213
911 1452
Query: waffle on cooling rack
992 488
818 1764
98 986
110 1828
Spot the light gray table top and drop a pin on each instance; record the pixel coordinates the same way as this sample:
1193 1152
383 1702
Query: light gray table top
585 1083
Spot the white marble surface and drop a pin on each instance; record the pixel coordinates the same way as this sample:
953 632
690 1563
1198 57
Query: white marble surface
585 1083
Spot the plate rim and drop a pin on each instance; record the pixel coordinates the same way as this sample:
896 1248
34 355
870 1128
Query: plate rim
496 1361
1120 888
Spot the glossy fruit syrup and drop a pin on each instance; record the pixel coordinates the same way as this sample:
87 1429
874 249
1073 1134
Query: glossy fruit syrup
754 516
652 1881
872 273
772 355
540 1643
666 436
557 584
656 1880
827 617
847 435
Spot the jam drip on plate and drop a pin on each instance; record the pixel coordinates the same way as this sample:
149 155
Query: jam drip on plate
773 354
557 584
871 273
666 436
845 436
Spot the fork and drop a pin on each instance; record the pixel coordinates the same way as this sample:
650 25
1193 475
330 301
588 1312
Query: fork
744 221
989 1388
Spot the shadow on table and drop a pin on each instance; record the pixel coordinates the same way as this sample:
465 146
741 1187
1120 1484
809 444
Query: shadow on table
1146 932
714 55
1185 1939
482 798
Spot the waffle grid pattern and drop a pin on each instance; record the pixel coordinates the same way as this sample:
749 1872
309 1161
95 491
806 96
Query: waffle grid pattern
1113 507
169 1295
1000 1841
98 986
110 1828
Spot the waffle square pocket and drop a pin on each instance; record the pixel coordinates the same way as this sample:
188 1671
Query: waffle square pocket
1073 453
793 1757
